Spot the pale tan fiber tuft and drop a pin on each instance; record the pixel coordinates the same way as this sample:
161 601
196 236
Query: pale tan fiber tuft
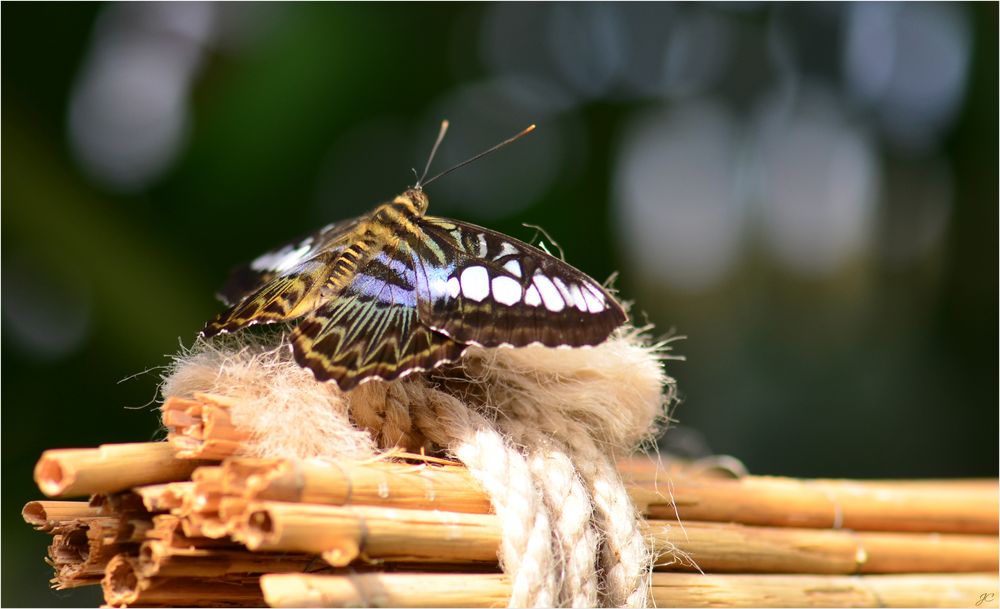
288 414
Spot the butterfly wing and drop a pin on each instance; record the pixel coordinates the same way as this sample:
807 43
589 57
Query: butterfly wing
418 302
246 279
371 329
282 298
482 287
282 284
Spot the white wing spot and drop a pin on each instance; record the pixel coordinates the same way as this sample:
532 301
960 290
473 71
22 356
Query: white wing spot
506 249
482 245
550 295
564 290
506 290
513 267
531 297
283 259
454 287
578 299
475 283
594 298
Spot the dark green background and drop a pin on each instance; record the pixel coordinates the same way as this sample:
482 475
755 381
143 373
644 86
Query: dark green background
889 375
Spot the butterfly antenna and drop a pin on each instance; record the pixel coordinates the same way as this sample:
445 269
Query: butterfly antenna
482 154
430 159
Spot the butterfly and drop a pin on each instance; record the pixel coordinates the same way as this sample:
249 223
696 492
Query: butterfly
396 291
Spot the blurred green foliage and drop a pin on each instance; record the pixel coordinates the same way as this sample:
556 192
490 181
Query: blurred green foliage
792 376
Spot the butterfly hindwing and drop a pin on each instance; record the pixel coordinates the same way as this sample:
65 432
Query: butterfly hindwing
371 329
479 286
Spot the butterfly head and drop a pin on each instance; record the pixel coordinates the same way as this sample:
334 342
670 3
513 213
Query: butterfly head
414 200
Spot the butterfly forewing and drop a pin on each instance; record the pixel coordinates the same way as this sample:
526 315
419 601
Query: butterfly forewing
282 284
483 287
282 298
248 278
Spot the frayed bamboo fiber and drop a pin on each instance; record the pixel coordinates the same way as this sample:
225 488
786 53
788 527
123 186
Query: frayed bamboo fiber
109 468
164 497
80 551
667 590
201 428
170 529
342 534
967 507
124 586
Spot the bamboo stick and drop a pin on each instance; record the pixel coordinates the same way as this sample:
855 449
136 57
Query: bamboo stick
667 590
969 507
385 590
940 590
124 586
343 534
47 515
733 548
377 483
771 501
108 468
159 559
207 492
205 429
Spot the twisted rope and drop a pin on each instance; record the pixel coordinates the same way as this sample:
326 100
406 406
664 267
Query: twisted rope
569 505
624 559
382 409
526 547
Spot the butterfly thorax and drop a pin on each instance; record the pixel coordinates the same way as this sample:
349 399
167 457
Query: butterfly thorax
412 203
381 231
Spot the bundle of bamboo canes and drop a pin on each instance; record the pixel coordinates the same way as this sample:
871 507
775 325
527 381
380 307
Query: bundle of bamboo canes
192 522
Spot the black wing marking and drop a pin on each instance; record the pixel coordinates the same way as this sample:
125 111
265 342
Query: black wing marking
246 279
371 330
482 287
